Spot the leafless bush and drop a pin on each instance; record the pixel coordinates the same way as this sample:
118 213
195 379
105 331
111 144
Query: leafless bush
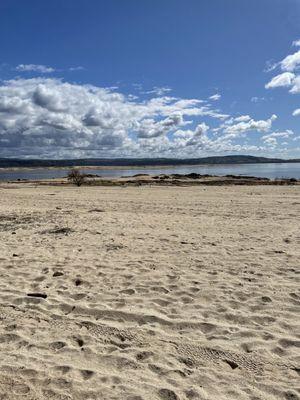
76 177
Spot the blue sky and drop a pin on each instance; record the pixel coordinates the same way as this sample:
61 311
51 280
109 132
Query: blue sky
136 78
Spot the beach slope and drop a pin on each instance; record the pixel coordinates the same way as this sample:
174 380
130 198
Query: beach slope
145 293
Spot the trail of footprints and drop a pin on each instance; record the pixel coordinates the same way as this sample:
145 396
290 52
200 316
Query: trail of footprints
76 326
132 345
108 326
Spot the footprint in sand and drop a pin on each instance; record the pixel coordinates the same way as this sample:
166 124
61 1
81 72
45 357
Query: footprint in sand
167 394
21 389
87 374
57 345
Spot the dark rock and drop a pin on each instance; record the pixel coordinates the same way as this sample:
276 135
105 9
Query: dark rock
57 273
193 175
231 363
40 295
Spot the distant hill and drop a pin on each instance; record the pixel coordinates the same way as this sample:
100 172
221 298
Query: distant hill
138 162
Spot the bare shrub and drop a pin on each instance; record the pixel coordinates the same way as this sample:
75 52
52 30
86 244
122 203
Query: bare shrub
76 177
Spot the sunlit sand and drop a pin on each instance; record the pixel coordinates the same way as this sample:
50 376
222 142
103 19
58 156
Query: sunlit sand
149 292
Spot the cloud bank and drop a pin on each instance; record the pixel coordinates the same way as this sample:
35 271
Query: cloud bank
43 117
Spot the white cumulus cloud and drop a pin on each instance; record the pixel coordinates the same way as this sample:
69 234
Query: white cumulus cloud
285 79
290 77
291 62
296 43
34 68
296 112
284 134
248 125
271 141
159 91
215 97
243 118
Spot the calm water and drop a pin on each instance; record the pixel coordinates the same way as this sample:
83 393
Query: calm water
272 171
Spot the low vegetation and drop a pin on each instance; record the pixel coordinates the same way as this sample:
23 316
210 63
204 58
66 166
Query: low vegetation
76 177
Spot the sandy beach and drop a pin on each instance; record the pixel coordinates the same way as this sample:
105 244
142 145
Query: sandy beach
144 293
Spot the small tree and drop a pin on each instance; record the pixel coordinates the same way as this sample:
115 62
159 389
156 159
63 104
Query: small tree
76 177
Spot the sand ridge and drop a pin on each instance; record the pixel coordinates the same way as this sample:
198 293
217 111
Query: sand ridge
149 293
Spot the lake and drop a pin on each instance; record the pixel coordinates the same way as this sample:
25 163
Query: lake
268 170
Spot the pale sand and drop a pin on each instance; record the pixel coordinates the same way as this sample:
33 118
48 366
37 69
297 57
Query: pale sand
169 293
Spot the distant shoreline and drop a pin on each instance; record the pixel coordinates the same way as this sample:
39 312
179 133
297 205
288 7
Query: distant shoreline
125 167
141 163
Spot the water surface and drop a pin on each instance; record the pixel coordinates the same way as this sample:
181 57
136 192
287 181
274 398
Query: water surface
268 170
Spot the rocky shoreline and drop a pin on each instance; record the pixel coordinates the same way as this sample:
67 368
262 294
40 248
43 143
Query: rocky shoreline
191 179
